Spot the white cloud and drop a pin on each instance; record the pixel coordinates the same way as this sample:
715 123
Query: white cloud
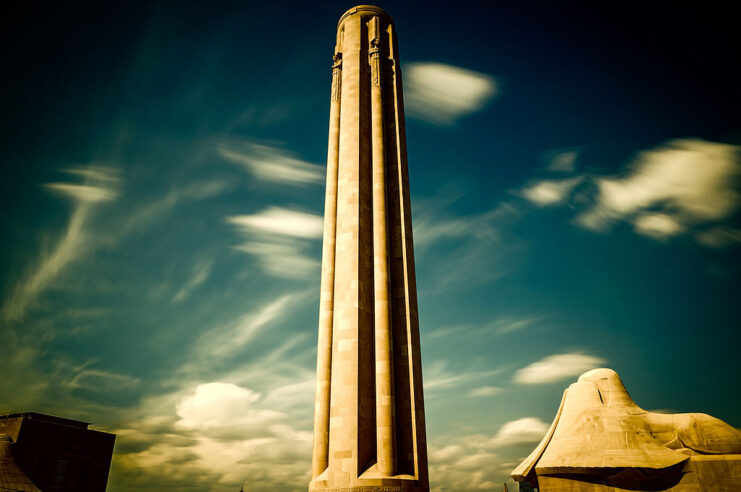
496 328
83 193
719 237
214 436
439 379
557 367
657 226
670 189
281 221
147 214
467 248
550 192
272 164
94 173
467 462
224 340
441 94
446 453
223 405
278 238
200 274
562 161
99 184
521 431
505 326
97 379
282 258
484 391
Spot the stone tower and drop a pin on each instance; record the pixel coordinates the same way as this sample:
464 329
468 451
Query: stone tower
369 425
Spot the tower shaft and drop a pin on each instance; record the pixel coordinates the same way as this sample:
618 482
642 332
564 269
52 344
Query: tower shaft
369 429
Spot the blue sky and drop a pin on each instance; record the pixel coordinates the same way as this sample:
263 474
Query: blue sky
575 190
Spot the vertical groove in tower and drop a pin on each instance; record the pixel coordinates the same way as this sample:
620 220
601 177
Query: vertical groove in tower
369 427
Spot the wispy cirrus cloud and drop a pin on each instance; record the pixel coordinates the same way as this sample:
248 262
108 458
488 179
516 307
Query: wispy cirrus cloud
278 238
95 379
719 236
484 391
273 164
160 205
465 242
100 185
496 328
201 272
442 94
281 221
439 377
82 193
226 339
557 368
563 160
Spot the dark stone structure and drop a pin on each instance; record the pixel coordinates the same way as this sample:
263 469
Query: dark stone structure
56 454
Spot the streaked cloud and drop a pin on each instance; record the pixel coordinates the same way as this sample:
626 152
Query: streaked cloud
441 94
272 164
563 161
467 247
161 204
83 193
550 192
438 377
225 339
282 221
670 189
100 185
95 379
521 431
484 391
283 258
279 238
496 328
201 271
507 325
719 237
557 368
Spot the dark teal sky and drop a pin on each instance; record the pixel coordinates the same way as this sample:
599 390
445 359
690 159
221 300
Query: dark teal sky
574 175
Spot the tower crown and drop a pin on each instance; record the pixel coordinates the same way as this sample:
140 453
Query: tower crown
365 11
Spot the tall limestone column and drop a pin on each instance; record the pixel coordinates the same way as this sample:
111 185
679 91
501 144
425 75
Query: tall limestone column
369 425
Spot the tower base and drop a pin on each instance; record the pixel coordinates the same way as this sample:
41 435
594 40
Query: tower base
370 481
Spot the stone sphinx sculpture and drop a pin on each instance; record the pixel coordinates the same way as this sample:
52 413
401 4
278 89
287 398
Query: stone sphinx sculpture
601 441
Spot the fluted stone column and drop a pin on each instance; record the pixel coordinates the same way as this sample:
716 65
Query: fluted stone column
320 458
369 429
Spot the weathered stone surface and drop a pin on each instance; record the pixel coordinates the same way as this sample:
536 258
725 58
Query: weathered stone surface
601 440
369 429
11 475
